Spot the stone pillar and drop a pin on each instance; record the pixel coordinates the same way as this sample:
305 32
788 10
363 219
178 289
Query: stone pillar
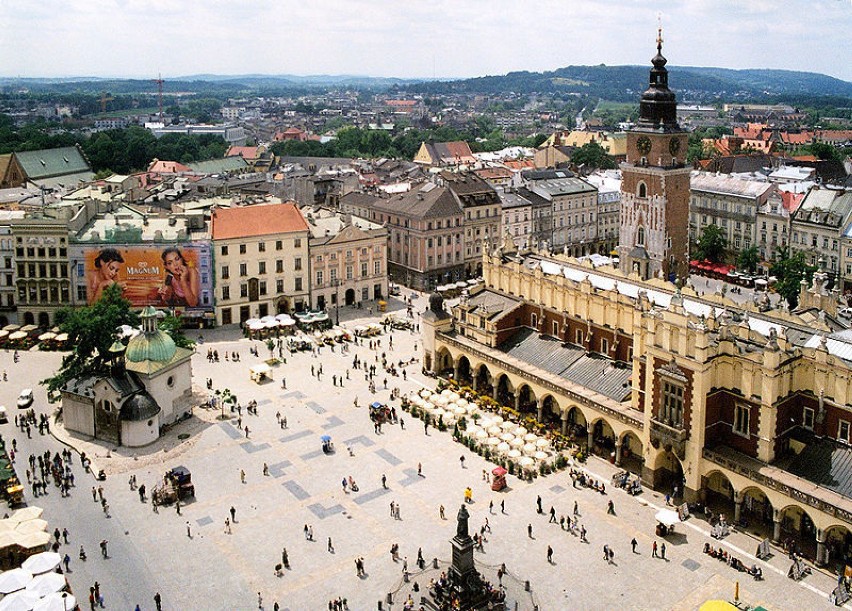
738 507
494 390
456 371
776 526
590 441
564 423
539 409
618 444
474 384
821 550
517 400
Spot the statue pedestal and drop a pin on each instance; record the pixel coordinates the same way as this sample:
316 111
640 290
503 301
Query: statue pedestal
465 580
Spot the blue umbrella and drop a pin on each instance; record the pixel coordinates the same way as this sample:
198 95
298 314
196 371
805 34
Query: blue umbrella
325 438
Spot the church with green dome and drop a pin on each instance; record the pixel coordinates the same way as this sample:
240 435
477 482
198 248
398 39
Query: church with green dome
149 386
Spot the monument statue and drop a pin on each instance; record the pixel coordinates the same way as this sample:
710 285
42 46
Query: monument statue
461 528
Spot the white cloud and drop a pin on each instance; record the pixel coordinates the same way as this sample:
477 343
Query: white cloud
414 38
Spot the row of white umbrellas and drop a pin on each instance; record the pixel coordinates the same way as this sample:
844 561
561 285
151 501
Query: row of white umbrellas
508 438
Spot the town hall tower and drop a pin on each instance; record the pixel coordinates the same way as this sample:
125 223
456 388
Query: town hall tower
654 233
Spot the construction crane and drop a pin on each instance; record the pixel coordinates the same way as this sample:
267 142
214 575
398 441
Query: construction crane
105 97
159 80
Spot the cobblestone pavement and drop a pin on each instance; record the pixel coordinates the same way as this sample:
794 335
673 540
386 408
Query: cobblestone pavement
211 569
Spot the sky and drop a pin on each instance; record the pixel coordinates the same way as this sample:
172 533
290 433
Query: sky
414 38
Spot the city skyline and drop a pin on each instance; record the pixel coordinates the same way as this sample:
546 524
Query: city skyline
378 38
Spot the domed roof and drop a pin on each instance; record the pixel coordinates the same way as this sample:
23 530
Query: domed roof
140 406
152 344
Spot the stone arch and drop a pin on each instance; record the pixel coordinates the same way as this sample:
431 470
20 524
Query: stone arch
719 494
483 380
798 531
550 410
838 547
526 399
668 473
464 371
602 437
631 452
505 391
444 361
43 320
576 424
29 318
756 511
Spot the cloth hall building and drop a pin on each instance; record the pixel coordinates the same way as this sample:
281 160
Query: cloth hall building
745 408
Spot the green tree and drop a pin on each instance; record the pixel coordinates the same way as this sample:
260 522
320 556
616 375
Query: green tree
748 259
821 150
593 155
711 244
790 270
174 327
91 330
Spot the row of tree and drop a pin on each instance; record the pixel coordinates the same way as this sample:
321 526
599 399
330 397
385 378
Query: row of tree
788 269
116 150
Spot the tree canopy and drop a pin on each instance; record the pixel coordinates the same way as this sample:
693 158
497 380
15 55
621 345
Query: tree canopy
91 330
711 244
748 259
790 270
593 155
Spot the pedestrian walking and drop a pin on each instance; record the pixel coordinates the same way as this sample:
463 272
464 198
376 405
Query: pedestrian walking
654 550
227 526
549 555
103 544
67 561
265 469
491 507
610 507
633 544
461 460
503 506
606 552
188 530
259 601
158 601
384 481
419 469
529 531
242 476
285 559
441 512
233 514
65 535
663 550
552 515
330 546
538 505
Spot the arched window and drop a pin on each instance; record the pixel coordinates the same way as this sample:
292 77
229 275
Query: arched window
642 190
640 237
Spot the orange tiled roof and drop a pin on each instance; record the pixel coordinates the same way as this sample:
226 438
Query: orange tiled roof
167 167
493 173
519 164
791 200
257 220
246 152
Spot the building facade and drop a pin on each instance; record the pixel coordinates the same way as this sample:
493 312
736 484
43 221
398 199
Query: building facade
817 226
730 203
573 212
348 259
42 271
260 255
482 216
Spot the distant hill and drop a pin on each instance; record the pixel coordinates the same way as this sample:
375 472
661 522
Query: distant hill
624 82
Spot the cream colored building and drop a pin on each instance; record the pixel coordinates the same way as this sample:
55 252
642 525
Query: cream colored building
348 258
260 255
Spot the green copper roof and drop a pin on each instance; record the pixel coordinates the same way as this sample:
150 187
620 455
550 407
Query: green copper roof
157 346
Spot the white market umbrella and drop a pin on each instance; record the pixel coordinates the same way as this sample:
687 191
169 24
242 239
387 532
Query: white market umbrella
507 426
540 455
517 442
459 411
17 335
425 393
58 601
428 407
521 431
252 321
446 393
471 409
454 396
439 413
19 601
480 434
48 583
462 401
503 447
257 326
529 449
497 419
507 437
494 430
514 454
530 437
27 513
14 580
449 418
35 525
542 443
472 429
667 517
33 540
493 441
526 461
486 423
267 318
271 324
41 563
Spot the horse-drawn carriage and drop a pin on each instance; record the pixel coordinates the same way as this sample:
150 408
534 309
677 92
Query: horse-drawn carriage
176 486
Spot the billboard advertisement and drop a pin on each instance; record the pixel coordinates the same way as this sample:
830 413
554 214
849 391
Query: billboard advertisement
165 276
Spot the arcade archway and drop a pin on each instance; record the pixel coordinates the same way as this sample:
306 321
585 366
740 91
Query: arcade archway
464 376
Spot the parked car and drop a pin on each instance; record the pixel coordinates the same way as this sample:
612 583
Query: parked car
25 399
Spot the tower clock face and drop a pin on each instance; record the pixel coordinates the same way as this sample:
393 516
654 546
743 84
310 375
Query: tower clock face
643 145
674 146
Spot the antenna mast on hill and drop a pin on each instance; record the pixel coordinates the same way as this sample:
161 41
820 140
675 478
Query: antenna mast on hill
159 80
